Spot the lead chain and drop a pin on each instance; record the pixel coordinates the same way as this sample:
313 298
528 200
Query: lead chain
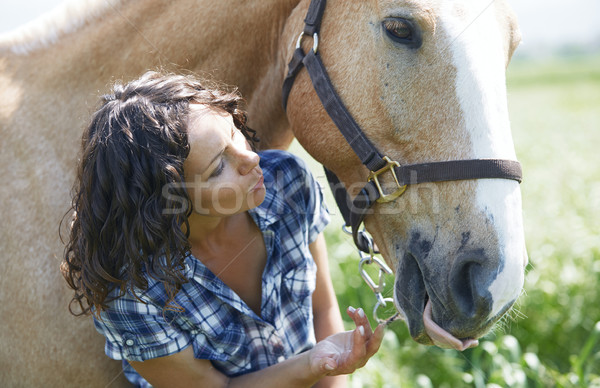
368 259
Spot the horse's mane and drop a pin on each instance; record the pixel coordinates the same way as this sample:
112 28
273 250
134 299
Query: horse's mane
67 17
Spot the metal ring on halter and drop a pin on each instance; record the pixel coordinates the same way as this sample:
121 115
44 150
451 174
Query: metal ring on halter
315 41
346 229
362 234
382 302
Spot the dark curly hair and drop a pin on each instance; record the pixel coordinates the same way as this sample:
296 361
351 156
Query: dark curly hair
123 226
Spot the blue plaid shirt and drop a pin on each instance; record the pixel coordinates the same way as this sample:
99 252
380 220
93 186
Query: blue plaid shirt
216 322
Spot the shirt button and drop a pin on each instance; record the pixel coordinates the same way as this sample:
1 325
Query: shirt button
280 359
220 350
129 342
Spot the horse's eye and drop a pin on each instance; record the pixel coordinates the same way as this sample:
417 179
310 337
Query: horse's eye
402 31
397 28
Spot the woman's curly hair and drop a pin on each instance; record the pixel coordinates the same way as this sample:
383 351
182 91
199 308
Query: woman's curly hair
132 154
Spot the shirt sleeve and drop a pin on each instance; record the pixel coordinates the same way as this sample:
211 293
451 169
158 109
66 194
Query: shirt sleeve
135 331
313 199
317 212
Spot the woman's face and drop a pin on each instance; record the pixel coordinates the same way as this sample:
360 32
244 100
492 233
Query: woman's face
222 172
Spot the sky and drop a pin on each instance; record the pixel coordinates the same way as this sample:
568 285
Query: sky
555 23
545 24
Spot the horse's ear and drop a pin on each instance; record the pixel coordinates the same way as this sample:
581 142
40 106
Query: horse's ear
514 34
516 39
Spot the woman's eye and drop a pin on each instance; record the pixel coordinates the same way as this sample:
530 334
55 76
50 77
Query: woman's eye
402 31
219 170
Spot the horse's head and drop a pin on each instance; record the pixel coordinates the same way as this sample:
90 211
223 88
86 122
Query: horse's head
425 80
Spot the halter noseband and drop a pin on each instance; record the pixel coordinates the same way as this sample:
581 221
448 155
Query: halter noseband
354 211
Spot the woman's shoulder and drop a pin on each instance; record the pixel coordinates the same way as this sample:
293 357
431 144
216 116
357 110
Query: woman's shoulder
283 164
274 160
291 187
152 293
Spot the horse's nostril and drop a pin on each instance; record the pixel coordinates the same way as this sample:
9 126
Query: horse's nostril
462 289
468 286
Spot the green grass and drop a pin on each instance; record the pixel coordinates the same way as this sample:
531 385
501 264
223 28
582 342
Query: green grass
555 341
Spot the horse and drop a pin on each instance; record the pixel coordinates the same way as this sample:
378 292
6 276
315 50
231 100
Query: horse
425 80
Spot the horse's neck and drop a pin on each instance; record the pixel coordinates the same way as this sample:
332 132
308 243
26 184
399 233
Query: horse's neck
239 44
120 39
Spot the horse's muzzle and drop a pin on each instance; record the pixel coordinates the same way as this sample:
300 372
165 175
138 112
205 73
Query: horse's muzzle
448 311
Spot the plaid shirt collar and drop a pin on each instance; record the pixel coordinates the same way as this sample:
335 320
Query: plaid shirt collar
271 209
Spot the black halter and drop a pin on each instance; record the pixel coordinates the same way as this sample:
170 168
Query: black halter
354 211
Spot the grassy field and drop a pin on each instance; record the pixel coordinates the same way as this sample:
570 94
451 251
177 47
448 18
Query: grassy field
554 340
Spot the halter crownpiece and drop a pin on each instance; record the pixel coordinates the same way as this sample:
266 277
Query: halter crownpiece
354 211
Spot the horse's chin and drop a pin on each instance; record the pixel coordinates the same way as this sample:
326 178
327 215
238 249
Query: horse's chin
441 337
414 304
427 332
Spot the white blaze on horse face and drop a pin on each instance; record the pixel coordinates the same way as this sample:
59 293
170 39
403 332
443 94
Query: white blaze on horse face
479 58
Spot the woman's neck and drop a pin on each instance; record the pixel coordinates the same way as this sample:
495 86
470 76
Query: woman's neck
211 234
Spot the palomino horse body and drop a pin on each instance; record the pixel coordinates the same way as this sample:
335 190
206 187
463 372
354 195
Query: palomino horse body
424 79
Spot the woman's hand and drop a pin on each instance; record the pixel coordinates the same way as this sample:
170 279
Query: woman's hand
343 353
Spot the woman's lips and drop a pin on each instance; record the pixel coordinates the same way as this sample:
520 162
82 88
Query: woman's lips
260 184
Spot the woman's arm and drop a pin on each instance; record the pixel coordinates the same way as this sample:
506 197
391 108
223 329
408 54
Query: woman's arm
184 370
326 311
341 353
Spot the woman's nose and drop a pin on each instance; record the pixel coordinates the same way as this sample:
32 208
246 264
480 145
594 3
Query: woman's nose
248 161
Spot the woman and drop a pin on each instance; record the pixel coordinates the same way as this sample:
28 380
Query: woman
202 263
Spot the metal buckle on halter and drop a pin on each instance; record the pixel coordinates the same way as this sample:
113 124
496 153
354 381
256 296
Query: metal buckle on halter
315 41
374 176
